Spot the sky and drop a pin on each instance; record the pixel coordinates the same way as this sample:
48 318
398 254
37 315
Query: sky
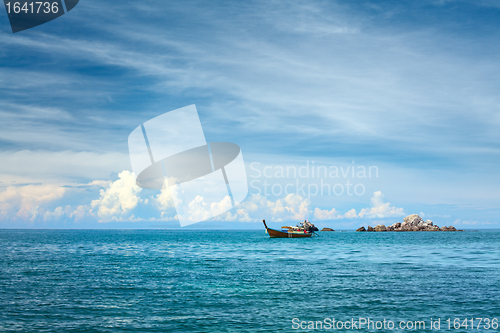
406 89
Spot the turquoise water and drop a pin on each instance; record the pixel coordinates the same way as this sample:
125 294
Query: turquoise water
241 281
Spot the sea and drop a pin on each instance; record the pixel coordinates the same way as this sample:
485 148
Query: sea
244 281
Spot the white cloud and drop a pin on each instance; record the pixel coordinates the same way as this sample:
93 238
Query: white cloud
54 215
199 210
295 208
471 222
218 208
164 199
320 214
100 183
24 202
292 207
350 214
81 212
380 208
257 208
119 198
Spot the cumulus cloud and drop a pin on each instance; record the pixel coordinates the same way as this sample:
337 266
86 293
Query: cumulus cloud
297 206
470 222
254 208
199 210
116 198
54 215
164 199
294 207
81 212
350 214
257 207
119 198
321 214
380 208
24 202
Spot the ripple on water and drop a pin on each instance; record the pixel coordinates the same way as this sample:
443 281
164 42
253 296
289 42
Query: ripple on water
211 281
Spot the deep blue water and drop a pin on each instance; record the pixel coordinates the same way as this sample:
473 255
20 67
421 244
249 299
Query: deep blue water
241 281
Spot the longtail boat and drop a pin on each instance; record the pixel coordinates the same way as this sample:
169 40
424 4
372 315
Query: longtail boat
288 232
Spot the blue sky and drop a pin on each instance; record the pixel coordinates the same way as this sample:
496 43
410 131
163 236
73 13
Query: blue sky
408 87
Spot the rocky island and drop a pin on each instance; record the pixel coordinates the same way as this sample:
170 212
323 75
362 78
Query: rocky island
410 223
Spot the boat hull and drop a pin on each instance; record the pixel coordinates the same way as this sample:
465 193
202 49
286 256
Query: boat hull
280 234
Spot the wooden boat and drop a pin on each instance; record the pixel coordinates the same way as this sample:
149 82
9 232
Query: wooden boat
290 232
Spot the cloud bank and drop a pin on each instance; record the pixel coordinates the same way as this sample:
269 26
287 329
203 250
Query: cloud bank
120 200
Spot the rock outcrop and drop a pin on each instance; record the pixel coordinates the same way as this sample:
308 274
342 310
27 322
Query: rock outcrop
327 229
410 223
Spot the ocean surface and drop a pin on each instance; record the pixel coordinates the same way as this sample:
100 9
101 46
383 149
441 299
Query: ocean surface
243 281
